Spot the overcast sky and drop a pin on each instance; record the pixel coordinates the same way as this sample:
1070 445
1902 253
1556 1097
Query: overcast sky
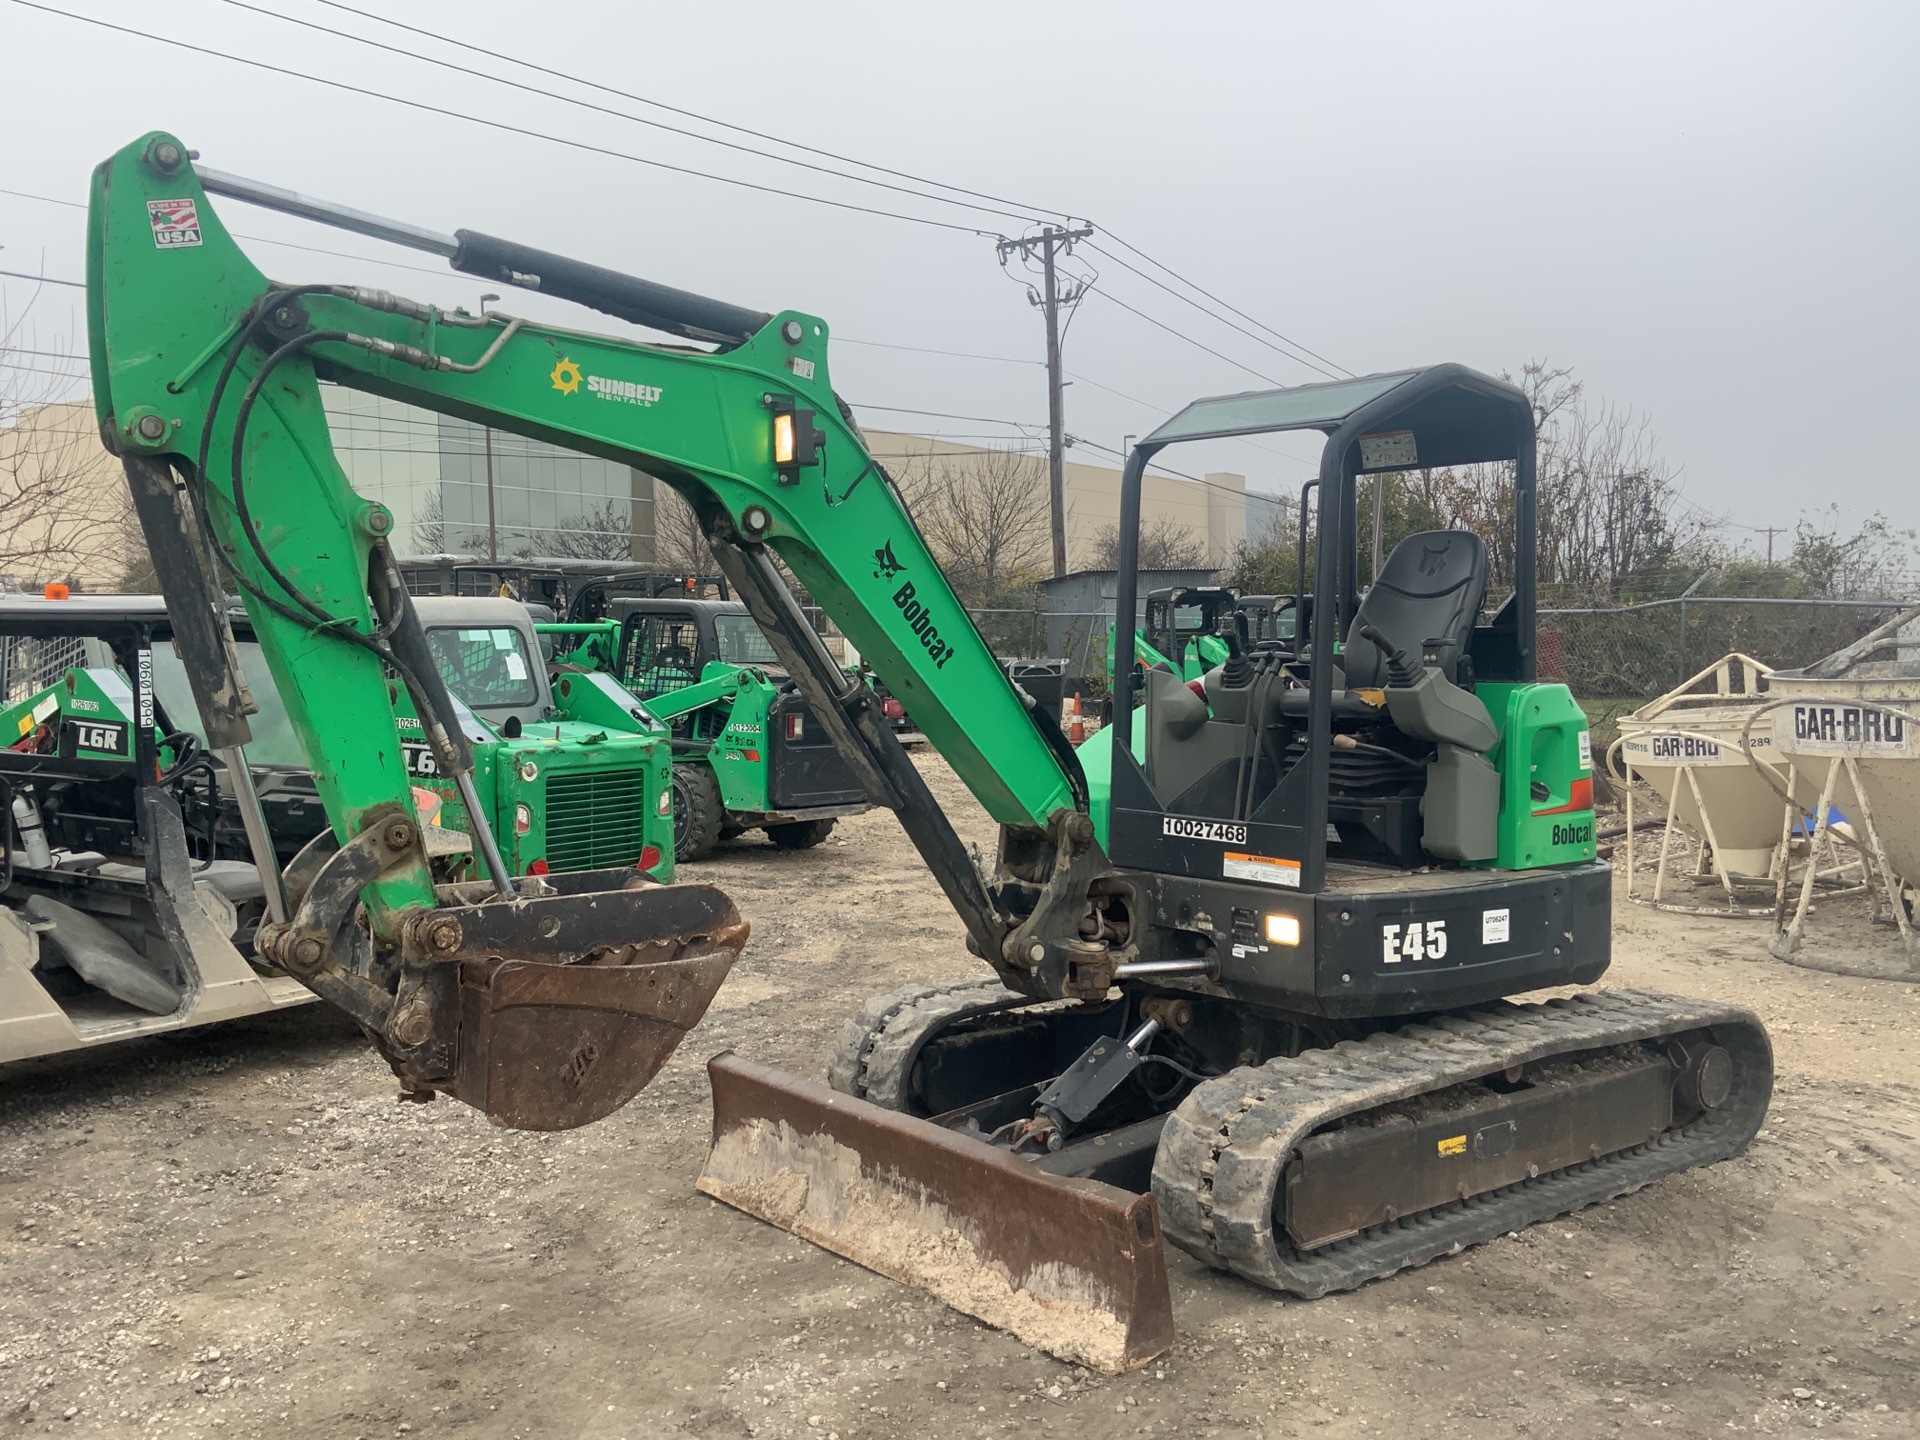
1700 208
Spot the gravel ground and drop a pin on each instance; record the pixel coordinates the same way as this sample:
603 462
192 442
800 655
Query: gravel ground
239 1233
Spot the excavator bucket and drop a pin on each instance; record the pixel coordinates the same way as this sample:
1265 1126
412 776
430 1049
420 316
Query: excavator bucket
1073 1267
569 1004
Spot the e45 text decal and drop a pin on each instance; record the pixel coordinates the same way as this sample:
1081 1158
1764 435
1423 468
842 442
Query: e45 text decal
1415 940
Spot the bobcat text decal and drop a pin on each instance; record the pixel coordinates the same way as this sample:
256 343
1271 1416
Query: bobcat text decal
937 649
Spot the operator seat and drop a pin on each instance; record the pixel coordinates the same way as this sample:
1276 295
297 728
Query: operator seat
1425 601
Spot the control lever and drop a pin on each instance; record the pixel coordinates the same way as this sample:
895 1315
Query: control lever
1401 668
1236 670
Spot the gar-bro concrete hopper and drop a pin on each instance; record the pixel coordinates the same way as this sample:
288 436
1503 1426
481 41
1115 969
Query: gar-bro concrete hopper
1687 746
1845 734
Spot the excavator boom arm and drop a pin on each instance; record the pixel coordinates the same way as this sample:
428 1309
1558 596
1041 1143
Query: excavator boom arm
206 380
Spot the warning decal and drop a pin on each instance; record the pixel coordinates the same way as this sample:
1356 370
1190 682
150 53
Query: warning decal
175 223
1267 869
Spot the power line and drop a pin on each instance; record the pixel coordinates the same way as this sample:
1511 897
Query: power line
44 279
500 125
1165 269
1163 410
606 110
1290 354
944 415
925 350
50 371
996 200
1153 465
506 127
1115 300
1333 374
694 114
257 239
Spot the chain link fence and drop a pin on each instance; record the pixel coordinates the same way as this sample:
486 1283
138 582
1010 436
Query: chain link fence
29 664
1615 659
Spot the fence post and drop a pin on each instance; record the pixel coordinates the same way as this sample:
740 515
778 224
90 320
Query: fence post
1705 575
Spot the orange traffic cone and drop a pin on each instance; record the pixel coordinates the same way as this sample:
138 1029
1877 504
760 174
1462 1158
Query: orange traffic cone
1076 724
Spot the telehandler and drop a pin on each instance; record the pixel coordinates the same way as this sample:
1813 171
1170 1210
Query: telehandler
1249 949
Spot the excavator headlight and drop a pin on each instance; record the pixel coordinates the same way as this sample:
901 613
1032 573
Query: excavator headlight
1283 929
796 439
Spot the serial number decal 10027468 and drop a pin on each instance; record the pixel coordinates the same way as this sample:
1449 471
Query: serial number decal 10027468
1180 827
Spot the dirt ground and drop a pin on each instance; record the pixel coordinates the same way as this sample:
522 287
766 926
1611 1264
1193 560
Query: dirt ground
239 1232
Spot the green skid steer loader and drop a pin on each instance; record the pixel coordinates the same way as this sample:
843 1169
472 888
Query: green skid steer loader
748 752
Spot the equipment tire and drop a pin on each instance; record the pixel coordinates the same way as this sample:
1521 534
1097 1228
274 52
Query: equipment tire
800 834
697 812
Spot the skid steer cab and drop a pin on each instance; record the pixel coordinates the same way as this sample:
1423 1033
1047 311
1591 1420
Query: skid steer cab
129 898
574 772
748 751
1183 629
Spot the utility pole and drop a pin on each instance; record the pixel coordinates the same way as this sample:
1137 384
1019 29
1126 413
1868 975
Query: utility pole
1770 531
1051 243
493 528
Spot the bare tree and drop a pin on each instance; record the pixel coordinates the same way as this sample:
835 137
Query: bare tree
1165 544
1610 519
679 543
63 503
1874 562
985 517
430 524
602 533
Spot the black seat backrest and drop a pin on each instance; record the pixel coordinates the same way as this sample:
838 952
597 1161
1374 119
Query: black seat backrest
1429 590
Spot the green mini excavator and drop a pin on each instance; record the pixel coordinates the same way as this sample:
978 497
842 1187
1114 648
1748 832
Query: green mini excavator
1246 955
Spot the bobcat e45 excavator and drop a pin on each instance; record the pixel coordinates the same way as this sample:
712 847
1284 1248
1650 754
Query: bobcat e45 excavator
1249 949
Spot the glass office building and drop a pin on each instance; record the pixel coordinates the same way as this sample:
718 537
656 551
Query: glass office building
435 473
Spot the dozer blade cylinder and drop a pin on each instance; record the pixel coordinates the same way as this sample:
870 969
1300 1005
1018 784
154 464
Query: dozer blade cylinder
1070 1266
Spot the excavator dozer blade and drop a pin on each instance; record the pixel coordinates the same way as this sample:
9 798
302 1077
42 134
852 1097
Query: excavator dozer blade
1073 1267
569 1004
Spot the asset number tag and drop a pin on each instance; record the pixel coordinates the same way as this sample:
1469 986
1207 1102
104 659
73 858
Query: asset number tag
1180 827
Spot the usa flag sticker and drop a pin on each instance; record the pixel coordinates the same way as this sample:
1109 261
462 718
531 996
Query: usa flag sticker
176 223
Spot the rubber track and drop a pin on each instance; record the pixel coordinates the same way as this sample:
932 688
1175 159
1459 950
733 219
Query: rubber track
879 1045
1225 1150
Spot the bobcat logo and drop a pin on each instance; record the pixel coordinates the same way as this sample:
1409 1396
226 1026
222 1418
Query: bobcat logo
885 567
1433 559
574 1072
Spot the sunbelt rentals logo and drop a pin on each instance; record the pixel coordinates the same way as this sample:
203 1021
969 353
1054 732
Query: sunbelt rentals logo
568 378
